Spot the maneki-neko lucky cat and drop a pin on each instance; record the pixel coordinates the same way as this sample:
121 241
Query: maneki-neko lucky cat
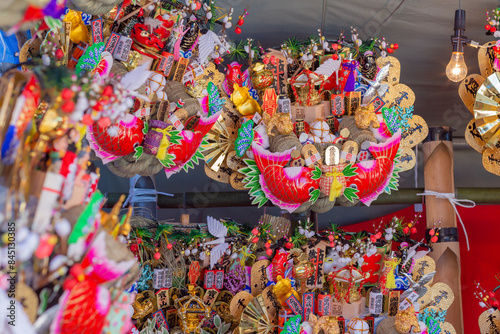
244 103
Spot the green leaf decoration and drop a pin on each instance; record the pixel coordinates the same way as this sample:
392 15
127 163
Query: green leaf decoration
83 225
175 137
351 194
53 23
314 195
90 59
225 327
215 102
138 152
151 326
350 170
294 44
163 229
245 138
393 184
217 321
145 129
238 53
252 183
168 161
292 326
144 233
316 173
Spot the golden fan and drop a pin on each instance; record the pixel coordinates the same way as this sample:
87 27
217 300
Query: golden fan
220 141
255 318
487 110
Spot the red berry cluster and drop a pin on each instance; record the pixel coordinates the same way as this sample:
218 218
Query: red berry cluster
490 28
67 103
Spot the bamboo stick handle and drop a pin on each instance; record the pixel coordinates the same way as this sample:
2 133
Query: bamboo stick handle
438 174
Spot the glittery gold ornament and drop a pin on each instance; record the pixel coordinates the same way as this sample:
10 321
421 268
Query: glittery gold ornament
365 116
191 311
261 78
405 320
79 32
245 104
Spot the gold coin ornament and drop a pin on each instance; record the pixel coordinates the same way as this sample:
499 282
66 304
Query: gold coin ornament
407 159
489 321
28 299
491 160
259 277
439 296
448 328
416 132
468 89
480 94
239 303
473 138
402 96
422 267
486 57
394 70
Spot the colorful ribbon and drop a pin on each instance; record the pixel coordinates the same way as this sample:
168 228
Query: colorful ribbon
245 254
391 280
336 186
164 143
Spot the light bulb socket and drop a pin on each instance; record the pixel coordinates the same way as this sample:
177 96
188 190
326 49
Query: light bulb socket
459 39
459 20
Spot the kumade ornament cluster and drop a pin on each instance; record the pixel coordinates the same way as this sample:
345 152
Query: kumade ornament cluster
223 277
159 86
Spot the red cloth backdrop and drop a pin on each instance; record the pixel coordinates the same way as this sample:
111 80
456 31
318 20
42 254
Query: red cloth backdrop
480 264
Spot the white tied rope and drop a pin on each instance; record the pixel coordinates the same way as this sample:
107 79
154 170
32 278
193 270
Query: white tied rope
465 203
142 195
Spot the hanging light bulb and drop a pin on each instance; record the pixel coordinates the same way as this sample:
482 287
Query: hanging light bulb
456 70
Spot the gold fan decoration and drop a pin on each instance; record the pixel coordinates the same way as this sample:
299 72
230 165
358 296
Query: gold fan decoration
222 163
255 318
487 108
481 95
220 140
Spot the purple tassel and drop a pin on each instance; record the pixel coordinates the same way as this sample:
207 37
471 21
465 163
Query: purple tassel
52 9
351 79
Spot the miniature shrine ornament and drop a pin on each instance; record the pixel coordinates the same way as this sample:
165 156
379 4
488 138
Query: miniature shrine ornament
191 311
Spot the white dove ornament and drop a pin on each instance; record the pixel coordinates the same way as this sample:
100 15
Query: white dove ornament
218 230
376 86
418 287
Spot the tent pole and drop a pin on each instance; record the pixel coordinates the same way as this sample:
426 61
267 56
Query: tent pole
438 175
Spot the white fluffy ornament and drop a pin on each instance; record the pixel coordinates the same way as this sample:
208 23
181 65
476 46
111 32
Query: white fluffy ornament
304 139
162 95
155 83
320 128
314 139
357 326
63 227
328 139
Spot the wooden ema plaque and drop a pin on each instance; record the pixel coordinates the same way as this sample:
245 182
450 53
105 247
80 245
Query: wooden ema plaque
179 69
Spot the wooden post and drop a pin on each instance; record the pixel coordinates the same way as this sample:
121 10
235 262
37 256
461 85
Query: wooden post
185 219
438 175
